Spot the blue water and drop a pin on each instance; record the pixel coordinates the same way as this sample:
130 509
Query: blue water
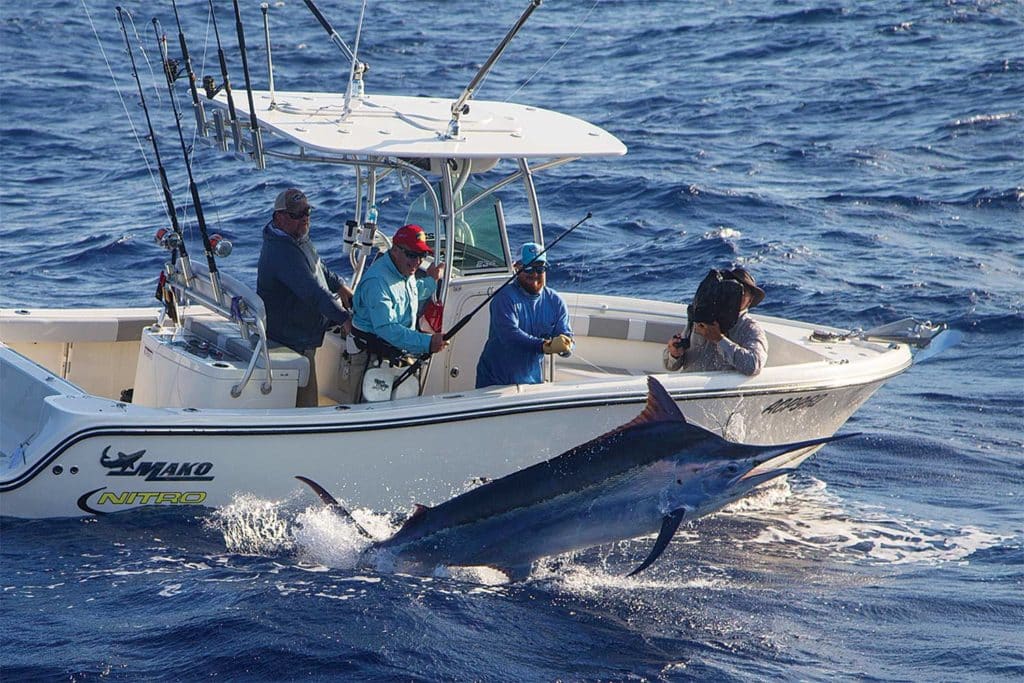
864 160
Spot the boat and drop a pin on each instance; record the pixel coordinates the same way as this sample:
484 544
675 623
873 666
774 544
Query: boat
113 409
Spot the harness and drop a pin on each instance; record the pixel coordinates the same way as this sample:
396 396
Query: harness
377 347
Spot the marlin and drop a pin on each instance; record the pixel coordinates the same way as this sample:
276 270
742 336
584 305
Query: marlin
647 476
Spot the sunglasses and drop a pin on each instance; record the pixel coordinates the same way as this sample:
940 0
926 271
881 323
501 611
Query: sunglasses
536 270
301 214
418 255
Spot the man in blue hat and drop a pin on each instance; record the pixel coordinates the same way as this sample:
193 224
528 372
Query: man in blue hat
528 320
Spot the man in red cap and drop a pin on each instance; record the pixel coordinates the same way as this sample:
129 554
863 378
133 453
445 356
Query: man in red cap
302 296
390 296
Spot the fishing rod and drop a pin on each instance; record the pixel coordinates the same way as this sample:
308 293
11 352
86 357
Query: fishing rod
211 89
466 318
175 245
197 104
254 126
459 107
469 316
208 246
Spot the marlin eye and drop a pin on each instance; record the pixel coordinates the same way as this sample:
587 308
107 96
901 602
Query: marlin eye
733 467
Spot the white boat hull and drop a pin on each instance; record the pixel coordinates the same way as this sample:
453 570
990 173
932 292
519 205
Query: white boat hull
98 456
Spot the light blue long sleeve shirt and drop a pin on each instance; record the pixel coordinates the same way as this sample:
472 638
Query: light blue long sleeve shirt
387 304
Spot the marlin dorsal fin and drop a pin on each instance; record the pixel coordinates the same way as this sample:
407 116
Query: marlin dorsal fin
660 407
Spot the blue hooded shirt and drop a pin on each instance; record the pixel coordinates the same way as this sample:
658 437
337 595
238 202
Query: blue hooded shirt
520 322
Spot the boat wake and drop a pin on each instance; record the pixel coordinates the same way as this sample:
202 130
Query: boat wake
804 518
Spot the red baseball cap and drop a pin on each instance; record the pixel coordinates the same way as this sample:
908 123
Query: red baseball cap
412 238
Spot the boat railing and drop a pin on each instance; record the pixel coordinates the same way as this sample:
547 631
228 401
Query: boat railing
239 304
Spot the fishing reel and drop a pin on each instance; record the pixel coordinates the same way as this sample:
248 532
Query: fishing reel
211 87
172 68
220 247
167 239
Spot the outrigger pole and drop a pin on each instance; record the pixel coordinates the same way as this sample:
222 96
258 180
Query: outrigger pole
211 89
264 7
197 104
355 80
254 126
460 107
169 74
177 245
469 316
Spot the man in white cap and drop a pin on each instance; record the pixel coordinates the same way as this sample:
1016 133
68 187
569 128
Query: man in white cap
301 295
528 320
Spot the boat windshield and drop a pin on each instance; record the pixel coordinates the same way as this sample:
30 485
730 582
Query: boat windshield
480 240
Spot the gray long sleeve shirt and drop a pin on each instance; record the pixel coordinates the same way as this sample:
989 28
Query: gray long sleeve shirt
744 348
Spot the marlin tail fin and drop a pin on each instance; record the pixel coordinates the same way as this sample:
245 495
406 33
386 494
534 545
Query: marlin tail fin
334 505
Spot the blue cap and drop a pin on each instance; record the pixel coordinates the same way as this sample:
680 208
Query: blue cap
529 254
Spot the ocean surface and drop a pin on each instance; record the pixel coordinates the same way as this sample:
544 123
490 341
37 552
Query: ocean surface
864 159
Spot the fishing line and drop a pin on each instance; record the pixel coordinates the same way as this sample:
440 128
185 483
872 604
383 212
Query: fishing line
124 105
555 53
145 55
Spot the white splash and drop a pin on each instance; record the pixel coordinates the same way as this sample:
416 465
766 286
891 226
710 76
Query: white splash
809 517
322 537
252 526
724 233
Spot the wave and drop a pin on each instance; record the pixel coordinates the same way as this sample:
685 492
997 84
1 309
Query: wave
982 120
1012 197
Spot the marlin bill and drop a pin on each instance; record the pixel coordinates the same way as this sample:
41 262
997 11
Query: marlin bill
645 477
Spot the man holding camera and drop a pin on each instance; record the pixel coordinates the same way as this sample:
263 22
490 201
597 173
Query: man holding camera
742 347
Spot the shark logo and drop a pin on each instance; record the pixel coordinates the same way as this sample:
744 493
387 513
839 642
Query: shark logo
123 462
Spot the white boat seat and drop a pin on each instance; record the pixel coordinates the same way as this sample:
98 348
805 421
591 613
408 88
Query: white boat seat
224 335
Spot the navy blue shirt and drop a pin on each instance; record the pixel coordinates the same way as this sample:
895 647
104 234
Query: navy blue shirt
297 291
520 322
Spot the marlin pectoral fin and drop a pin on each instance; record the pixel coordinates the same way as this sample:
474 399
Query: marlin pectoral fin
669 524
332 503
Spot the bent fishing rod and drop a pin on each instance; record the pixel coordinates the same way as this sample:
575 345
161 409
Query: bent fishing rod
254 127
469 316
179 246
466 318
211 90
196 103
169 75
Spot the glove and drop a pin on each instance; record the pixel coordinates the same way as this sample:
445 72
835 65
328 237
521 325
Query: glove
559 344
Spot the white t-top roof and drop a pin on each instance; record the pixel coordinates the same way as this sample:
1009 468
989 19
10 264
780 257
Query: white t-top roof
414 127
